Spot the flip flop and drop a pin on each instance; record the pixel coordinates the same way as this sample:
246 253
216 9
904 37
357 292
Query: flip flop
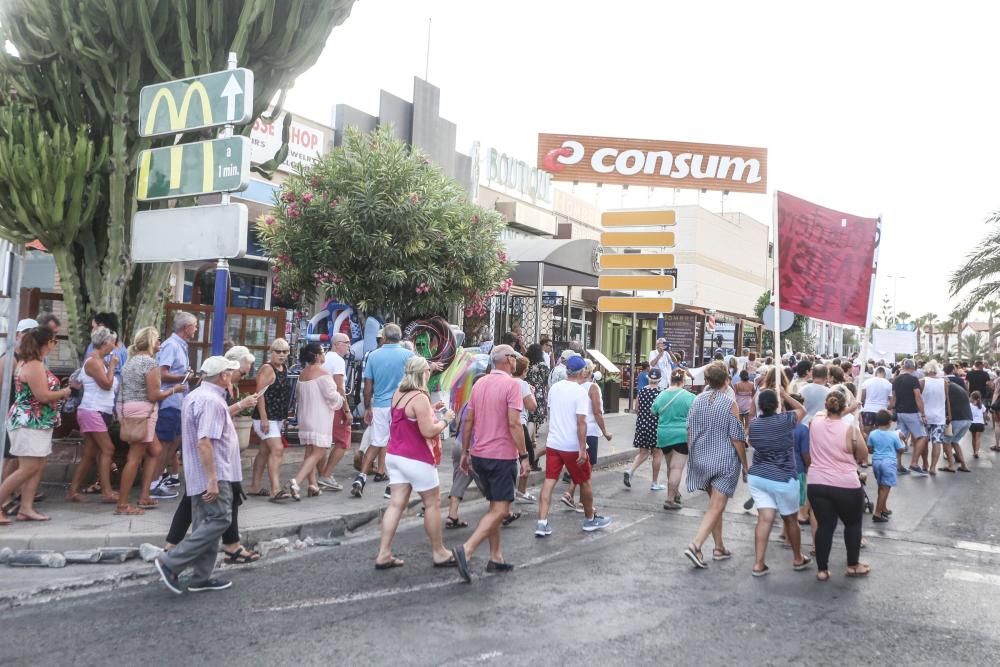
452 522
262 493
721 554
451 562
859 570
965 469
761 573
694 555
148 505
129 511
391 563
92 489
25 517
804 565
278 497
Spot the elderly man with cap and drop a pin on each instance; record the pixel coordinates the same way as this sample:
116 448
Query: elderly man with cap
566 446
662 358
558 373
492 445
211 451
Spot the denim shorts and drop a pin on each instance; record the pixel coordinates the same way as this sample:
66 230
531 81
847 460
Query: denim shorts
168 424
781 496
958 430
885 471
911 424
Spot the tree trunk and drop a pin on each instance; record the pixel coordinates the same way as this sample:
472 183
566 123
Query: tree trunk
76 314
149 310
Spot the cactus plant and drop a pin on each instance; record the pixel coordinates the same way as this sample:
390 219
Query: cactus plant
79 67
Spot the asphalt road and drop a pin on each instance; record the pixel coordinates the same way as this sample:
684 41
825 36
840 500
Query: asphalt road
622 596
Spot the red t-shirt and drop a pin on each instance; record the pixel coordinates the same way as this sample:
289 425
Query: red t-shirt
492 397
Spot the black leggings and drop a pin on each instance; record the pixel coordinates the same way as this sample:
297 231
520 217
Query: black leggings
530 446
830 503
182 519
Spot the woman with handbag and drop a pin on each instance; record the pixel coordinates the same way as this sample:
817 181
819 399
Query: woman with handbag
31 420
94 415
670 410
318 402
412 457
138 399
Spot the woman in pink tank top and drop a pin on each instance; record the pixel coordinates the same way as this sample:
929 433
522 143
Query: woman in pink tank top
834 490
411 460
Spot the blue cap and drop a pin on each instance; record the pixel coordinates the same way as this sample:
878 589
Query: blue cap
575 364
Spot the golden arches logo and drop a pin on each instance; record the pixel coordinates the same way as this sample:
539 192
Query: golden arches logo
177 118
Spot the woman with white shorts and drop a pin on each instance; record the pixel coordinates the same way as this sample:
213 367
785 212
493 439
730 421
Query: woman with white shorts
318 402
773 478
275 395
411 460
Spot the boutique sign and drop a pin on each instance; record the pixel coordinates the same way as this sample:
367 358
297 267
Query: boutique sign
518 176
663 164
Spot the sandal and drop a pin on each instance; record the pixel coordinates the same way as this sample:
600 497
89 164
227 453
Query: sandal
721 554
391 563
241 556
451 562
128 510
148 504
92 489
511 518
293 490
804 565
859 570
261 493
455 522
761 573
278 497
694 555
32 517
313 491
965 469
823 575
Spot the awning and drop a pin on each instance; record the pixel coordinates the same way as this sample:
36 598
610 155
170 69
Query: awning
565 262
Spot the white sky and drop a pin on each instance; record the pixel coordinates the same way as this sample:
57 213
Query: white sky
872 108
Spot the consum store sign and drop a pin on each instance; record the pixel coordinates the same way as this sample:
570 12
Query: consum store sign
662 164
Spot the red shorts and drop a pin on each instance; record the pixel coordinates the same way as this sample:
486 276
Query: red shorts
556 459
342 430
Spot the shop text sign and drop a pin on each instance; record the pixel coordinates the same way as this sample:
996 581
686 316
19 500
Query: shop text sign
664 164
305 143
518 175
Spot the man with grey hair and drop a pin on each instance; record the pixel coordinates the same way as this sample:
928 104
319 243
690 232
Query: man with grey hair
908 403
174 369
211 467
335 365
382 375
492 444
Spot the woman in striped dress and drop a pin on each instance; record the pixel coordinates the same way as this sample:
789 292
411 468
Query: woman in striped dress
717 456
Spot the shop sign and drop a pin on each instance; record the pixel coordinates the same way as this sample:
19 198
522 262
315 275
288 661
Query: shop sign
518 175
681 332
305 143
550 299
665 164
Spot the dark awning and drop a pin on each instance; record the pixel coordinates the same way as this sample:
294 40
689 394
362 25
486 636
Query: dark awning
566 262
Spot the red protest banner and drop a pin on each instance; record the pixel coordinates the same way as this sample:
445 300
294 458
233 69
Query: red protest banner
826 261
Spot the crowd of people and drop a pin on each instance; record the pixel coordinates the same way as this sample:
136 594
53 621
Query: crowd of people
802 432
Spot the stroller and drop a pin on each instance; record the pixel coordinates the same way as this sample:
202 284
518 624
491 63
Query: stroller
869 505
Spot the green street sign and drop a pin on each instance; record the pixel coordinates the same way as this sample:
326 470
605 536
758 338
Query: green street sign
196 103
187 170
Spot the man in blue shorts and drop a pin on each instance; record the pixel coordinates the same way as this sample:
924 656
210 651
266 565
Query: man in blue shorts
175 368
909 406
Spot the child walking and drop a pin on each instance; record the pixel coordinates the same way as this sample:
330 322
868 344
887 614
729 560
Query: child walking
978 422
883 443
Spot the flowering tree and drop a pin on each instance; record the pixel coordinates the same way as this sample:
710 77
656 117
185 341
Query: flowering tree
375 224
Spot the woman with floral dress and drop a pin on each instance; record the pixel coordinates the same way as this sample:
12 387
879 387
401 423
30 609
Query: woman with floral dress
538 378
31 420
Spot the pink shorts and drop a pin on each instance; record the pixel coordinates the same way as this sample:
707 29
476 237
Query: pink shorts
143 409
92 421
342 430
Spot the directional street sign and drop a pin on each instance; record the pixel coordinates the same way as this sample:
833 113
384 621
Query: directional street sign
628 283
196 103
187 170
638 219
634 304
637 261
638 239
189 234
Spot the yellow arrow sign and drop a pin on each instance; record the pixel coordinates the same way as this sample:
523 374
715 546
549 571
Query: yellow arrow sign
628 283
634 304
639 219
637 261
638 239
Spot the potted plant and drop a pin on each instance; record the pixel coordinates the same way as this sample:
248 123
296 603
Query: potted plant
243 423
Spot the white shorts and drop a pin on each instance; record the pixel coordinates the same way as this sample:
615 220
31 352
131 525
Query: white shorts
419 475
273 429
32 442
381 419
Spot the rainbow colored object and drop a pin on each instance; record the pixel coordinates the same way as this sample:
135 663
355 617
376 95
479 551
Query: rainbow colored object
458 378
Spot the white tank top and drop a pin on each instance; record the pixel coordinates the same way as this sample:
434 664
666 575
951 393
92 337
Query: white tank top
933 395
96 399
592 428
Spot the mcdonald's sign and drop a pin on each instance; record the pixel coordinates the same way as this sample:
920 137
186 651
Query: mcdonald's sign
198 102
188 170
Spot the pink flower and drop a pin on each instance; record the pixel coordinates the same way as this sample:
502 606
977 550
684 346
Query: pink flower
288 197
293 211
414 198
333 203
307 197
269 220
502 256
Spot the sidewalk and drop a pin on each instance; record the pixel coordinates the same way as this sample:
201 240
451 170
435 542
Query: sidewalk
92 525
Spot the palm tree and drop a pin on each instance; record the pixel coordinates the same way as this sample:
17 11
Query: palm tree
903 317
973 346
958 317
919 323
947 328
991 308
931 320
981 269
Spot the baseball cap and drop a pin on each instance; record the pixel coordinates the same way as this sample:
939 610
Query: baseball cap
215 365
566 354
25 325
655 374
575 364
500 351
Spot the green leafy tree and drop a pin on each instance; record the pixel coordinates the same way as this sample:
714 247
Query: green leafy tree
990 308
973 346
75 70
376 224
981 271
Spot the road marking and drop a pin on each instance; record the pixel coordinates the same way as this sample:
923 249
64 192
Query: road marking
978 546
972 577
402 590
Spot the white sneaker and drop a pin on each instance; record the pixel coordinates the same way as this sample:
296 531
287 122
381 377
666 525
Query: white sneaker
525 497
330 483
656 486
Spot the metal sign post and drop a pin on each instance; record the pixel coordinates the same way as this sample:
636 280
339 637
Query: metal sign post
221 299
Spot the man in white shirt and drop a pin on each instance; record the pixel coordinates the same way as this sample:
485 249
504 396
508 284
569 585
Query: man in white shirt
558 373
875 393
815 393
546 344
340 346
566 445
662 358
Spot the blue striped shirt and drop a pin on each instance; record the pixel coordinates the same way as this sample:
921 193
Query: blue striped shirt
773 447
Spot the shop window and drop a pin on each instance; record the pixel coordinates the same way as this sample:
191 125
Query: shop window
247 290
